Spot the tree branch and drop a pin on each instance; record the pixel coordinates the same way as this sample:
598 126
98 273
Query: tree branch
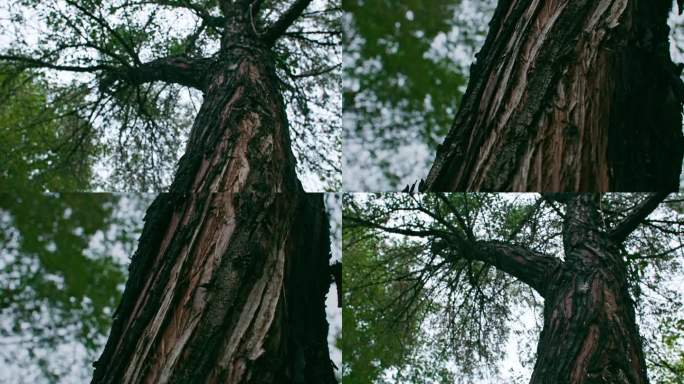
29 62
175 69
636 217
278 28
530 267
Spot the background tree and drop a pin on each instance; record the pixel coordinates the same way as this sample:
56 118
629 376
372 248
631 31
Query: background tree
597 272
39 140
62 271
405 69
146 66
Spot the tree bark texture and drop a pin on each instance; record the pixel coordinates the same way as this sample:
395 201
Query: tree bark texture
240 138
227 288
577 95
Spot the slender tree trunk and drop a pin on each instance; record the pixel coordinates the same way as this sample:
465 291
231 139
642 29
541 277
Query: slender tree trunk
590 333
229 280
575 95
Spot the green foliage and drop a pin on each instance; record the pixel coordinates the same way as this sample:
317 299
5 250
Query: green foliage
404 76
39 126
373 341
398 36
60 279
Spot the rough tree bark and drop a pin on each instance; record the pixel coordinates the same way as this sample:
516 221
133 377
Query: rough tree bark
590 333
568 96
229 280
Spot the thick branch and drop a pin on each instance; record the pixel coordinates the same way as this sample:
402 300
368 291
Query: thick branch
176 69
530 267
637 216
288 17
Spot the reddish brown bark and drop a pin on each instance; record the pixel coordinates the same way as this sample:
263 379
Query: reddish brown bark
568 96
590 333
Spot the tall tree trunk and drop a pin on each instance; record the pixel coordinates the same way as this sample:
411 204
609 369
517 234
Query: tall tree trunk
568 96
229 280
225 288
240 139
590 333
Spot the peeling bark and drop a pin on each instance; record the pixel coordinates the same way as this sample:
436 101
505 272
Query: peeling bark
568 96
590 333
240 138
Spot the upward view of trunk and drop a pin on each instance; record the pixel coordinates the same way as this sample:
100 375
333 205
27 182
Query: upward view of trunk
590 333
229 281
240 139
568 96
225 288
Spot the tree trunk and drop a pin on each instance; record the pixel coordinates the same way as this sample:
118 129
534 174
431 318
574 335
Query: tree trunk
568 96
240 139
229 280
225 288
590 333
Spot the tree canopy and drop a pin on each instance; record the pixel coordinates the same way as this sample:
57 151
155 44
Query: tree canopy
139 65
423 306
